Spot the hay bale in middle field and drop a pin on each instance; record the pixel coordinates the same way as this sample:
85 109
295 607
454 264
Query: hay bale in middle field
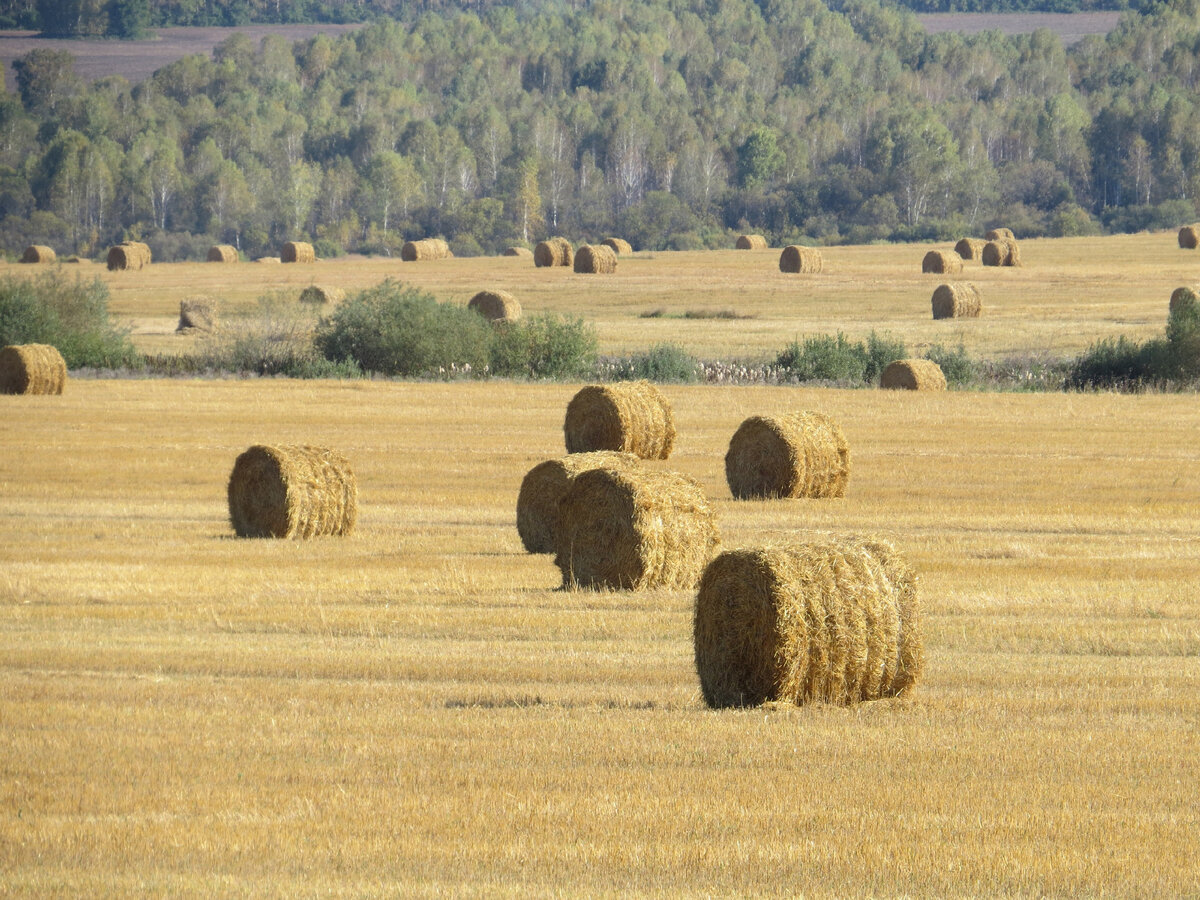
596 260
1000 234
942 262
290 491
751 242
128 256
297 252
32 369
522 252
38 253
322 295
619 246
197 314
1189 237
547 483
223 253
634 529
802 454
1182 295
496 306
555 251
959 299
632 417
913 375
427 249
970 248
1001 252
802 260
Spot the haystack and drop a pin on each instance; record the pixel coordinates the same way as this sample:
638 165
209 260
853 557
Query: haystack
197 314
427 249
555 251
496 306
959 299
1001 252
942 262
634 529
322 294
798 259
290 491
297 252
268 260
596 260
522 252
32 369
1182 295
970 248
1189 237
78 260
632 417
913 375
128 256
619 246
38 253
834 620
802 454
1000 234
751 242
223 253
547 483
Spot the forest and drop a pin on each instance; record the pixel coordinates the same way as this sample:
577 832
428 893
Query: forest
672 123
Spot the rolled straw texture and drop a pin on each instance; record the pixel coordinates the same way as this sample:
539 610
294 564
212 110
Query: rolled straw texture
802 260
322 294
958 299
128 255
496 306
1182 295
634 529
836 620
619 246
1001 252
197 314
751 242
38 253
32 369
544 486
1000 234
630 417
941 262
523 252
555 251
1189 237
802 454
297 252
222 253
290 491
427 249
596 260
913 375
970 248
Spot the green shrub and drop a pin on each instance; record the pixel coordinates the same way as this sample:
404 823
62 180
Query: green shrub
326 249
882 350
825 358
544 346
1119 364
957 365
661 363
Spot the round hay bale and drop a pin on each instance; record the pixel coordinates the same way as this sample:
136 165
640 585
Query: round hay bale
970 248
1000 234
913 375
941 262
322 294
522 252
297 252
268 260
1001 252
958 299
426 249
555 251
1182 295
128 256
834 620
291 491
32 369
496 306
78 260
197 314
547 483
802 454
798 259
38 253
751 242
619 246
634 529
632 417
223 253
596 260
1189 237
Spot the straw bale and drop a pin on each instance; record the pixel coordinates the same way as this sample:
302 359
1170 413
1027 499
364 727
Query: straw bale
322 294
830 620
596 260
942 262
1001 252
547 483
1182 295
801 454
619 245
632 417
496 306
268 260
297 252
427 249
751 242
78 260
128 255
32 369
38 253
970 248
959 299
292 491
1189 237
633 529
913 375
223 253
522 252
798 259
1000 234
555 251
197 314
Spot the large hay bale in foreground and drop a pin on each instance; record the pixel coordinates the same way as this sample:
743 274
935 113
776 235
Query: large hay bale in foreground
32 369
425 250
555 251
1182 295
197 314
751 242
522 252
633 529
128 256
959 299
1189 237
297 252
38 253
632 417
1001 252
496 306
596 260
802 454
619 246
547 483
223 253
290 491
913 375
1000 234
970 248
835 620
322 295
942 262
803 260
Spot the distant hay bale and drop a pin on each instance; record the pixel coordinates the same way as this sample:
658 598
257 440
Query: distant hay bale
596 260
522 252
913 375
751 242
297 252
1001 252
942 262
833 620
128 256
291 491
958 299
223 253
1189 237
555 251
631 417
268 260
547 483
427 249
634 529
32 369
798 259
78 260
496 306
38 253
619 246
1000 234
802 454
197 314
322 294
1182 295
970 248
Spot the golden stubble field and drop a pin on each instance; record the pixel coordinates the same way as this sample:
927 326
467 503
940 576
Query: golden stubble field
417 710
